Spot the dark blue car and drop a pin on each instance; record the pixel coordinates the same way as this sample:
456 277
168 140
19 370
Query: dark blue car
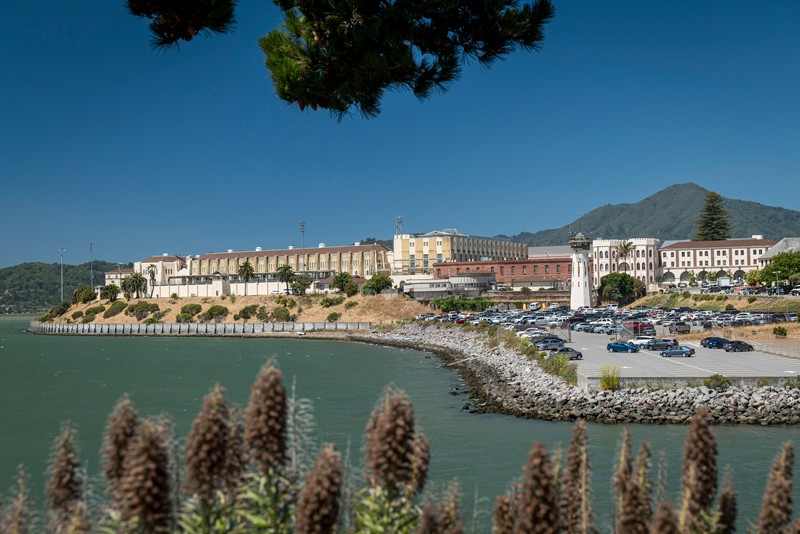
621 346
714 342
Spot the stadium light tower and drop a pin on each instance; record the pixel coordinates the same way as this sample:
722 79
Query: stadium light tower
61 252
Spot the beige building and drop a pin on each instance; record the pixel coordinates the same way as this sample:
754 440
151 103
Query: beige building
642 261
416 254
733 257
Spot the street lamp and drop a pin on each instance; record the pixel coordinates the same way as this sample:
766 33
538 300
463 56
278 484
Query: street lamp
302 243
61 252
776 281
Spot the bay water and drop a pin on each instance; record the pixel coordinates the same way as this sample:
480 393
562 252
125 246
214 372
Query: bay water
46 380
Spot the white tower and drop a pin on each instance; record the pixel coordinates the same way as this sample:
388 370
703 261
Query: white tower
581 282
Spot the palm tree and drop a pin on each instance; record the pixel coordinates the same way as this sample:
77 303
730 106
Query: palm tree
151 271
135 283
624 250
246 272
286 274
110 292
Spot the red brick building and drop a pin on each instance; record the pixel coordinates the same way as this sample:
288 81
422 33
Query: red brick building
552 271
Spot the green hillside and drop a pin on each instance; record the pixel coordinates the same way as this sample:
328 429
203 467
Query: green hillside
36 287
670 214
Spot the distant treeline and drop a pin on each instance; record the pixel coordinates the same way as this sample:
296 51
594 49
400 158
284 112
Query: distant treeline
35 287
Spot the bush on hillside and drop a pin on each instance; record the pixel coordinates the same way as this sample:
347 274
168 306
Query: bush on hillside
333 317
327 302
214 313
281 314
184 318
115 309
141 309
94 310
88 318
351 304
191 309
77 315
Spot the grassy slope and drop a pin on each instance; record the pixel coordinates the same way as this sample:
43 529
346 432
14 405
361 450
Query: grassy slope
308 309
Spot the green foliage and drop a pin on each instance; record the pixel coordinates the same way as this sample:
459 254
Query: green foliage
285 274
151 320
762 382
115 308
301 283
285 301
191 309
142 309
262 314
77 315
730 307
281 314
56 311
340 281
718 382
686 294
350 288
110 292
351 304
35 287
525 289
751 299
376 284
333 317
94 310
617 287
448 304
215 313
378 510
609 378
779 331
792 382
248 311
171 22
174 296
184 318
327 301
721 297
555 365
782 266
714 222
341 56
83 295
134 283
246 272
88 318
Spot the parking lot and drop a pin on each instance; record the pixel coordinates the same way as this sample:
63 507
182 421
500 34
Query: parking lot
648 364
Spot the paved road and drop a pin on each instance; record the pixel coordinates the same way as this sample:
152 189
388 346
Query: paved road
705 362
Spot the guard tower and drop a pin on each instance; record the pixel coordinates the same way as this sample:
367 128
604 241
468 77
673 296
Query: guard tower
581 294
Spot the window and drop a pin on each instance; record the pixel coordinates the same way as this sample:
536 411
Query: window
558 269
546 269
513 270
502 270
535 269
524 269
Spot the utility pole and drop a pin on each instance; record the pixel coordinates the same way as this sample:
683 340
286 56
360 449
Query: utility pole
303 244
91 266
61 252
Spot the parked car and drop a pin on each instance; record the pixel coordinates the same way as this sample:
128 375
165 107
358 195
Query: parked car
680 327
548 344
737 346
641 340
581 327
659 344
795 291
621 346
571 353
686 352
713 342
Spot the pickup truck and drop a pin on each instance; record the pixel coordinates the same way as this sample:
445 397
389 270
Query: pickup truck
680 327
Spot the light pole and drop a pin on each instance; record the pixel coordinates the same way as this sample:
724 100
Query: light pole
302 243
91 266
61 252
776 281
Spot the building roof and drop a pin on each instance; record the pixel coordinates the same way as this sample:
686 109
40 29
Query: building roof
724 243
787 244
121 271
294 251
555 250
156 259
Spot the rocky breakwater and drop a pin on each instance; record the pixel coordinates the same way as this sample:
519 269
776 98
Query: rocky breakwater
503 381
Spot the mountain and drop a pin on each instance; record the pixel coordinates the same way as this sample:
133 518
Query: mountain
669 214
36 287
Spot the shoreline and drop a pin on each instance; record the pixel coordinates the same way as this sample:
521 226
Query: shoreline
499 380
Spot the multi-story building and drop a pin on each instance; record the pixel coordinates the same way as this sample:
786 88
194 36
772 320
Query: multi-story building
787 244
416 254
639 259
533 273
733 257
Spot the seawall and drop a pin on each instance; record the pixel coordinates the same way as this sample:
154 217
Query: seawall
190 329
502 381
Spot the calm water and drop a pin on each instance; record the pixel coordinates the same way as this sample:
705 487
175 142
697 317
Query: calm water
46 380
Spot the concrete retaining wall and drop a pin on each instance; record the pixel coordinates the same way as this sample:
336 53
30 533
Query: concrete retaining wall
187 329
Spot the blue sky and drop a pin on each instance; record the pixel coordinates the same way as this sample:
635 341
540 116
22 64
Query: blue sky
141 152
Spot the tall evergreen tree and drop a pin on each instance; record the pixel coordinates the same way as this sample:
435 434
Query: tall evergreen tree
714 222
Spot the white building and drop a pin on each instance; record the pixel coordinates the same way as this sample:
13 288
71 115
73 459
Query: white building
734 257
641 262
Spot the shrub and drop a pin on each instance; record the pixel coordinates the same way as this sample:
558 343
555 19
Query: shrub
792 382
526 289
722 297
248 311
555 364
184 318
350 304
718 382
762 382
286 302
94 310
730 307
215 313
609 378
151 320
88 318
77 315
281 315
115 308
191 309
333 317
779 331
233 299
174 296
83 295
752 299
686 294
56 311
142 309
263 314
327 302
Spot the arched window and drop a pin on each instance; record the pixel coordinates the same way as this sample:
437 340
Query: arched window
650 254
651 267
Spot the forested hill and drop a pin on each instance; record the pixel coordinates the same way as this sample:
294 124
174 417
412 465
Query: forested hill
669 214
36 287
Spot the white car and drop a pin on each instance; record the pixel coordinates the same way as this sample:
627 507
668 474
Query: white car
642 340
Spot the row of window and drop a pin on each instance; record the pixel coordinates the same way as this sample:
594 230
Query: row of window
719 253
639 254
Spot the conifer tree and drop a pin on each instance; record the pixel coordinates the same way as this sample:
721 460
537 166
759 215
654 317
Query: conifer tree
714 223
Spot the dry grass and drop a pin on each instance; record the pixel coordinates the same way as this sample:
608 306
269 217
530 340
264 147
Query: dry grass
378 309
